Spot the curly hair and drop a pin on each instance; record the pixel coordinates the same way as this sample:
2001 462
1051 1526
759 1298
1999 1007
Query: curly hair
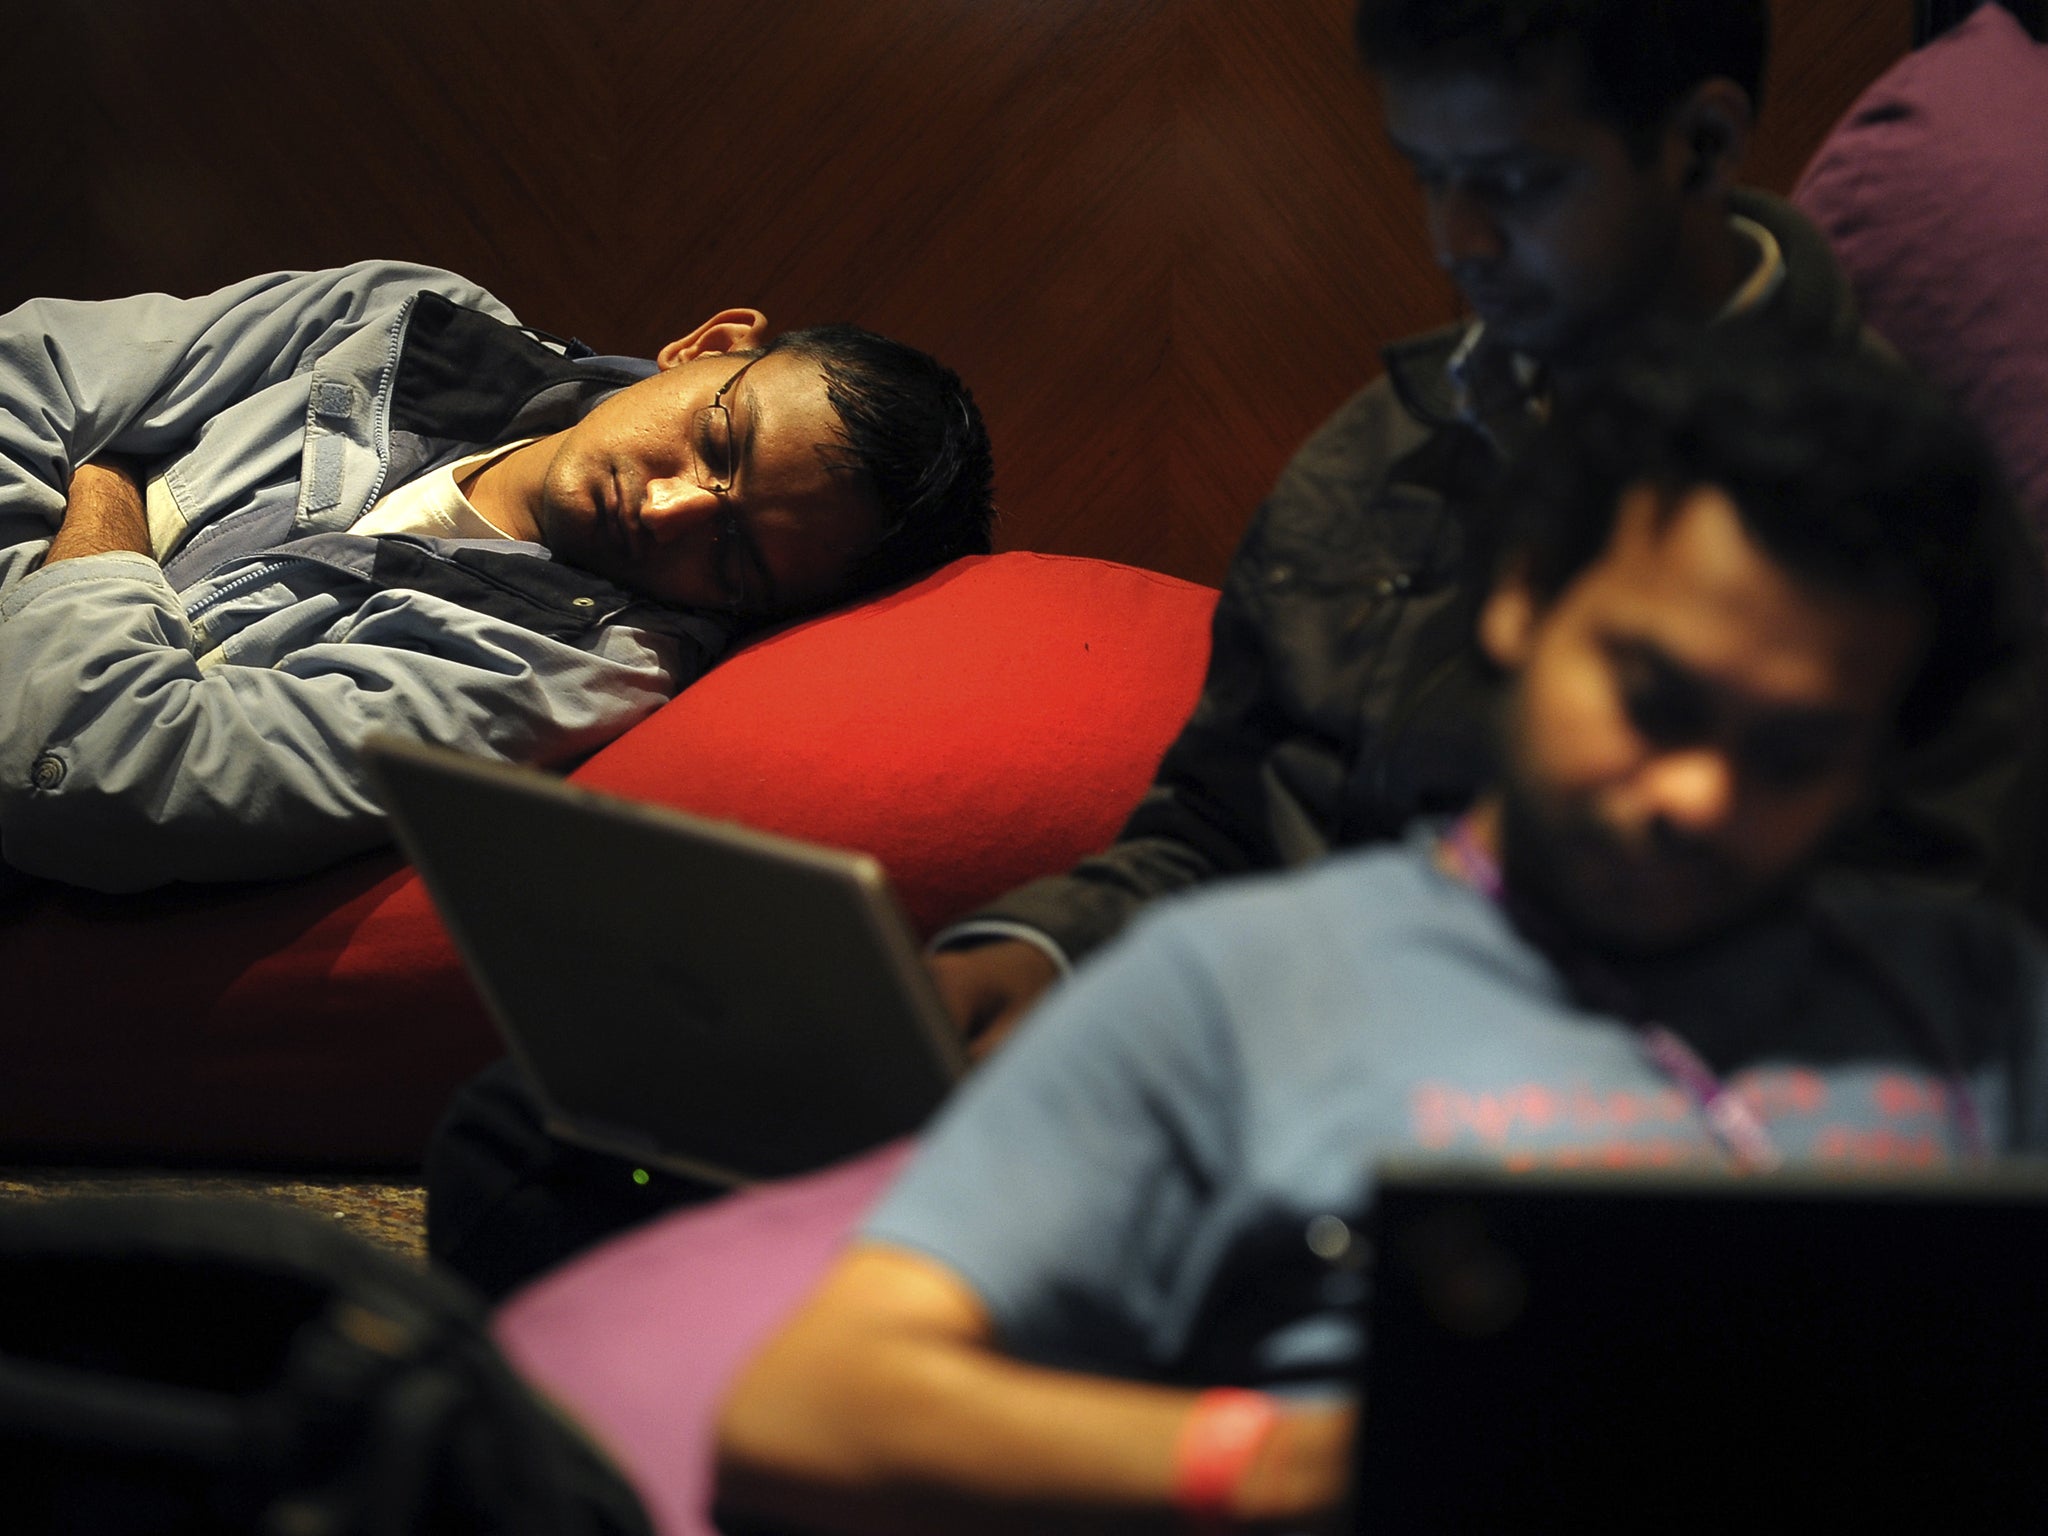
1851 473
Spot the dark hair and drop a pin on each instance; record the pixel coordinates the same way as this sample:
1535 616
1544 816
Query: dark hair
1848 471
914 436
1639 58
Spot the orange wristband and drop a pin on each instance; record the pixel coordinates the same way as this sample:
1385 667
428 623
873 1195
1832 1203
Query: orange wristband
1218 1444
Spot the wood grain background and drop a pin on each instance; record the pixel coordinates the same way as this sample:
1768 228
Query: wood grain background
1161 238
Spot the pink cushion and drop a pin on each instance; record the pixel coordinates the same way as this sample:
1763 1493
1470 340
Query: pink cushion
639 1337
1934 192
990 723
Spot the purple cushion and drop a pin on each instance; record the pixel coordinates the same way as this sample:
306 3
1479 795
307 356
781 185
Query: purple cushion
639 1337
1934 192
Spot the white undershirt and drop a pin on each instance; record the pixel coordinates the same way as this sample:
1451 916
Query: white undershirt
433 505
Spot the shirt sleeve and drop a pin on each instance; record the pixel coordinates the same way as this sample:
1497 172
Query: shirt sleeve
1067 1180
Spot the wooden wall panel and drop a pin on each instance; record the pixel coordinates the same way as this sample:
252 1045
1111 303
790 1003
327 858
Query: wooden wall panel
1161 238
1824 52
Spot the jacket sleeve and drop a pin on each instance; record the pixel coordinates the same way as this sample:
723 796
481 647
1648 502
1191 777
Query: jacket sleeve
121 765
1339 590
126 763
143 376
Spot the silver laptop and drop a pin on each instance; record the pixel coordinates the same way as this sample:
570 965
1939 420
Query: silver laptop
695 995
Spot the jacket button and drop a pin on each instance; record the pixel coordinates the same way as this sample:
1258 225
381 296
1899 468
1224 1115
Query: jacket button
47 772
582 602
333 401
1331 1239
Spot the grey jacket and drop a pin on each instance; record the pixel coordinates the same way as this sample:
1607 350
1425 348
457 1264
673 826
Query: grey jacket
1344 696
200 719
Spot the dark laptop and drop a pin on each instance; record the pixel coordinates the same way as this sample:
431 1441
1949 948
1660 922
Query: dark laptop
1655 1353
692 994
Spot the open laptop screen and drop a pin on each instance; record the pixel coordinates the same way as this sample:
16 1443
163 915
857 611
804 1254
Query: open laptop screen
698 995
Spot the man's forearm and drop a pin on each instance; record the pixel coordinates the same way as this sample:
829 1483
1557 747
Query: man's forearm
103 514
879 1411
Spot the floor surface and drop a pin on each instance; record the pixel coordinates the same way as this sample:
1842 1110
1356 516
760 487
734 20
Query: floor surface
388 1211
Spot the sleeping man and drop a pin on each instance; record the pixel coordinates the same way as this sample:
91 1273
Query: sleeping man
1095 1301
239 533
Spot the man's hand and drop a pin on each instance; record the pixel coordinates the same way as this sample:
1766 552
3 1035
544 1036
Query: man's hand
103 514
988 987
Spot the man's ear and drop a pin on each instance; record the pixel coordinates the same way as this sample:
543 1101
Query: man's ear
1507 620
1709 133
730 330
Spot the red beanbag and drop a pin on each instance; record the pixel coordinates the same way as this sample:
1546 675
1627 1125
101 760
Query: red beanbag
317 1019
988 724
993 723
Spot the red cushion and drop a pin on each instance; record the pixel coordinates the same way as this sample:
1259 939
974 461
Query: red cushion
1933 191
993 722
312 1019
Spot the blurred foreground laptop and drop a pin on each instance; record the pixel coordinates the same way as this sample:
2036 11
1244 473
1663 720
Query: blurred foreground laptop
691 994
1588 1352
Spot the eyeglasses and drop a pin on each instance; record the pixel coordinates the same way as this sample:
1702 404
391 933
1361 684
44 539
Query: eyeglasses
736 560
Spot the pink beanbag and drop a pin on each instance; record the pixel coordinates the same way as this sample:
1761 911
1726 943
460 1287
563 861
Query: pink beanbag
639 1337
1933 191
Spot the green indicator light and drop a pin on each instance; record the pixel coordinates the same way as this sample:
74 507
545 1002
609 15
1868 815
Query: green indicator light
639 1175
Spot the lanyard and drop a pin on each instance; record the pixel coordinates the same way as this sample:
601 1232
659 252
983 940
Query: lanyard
1734 1125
